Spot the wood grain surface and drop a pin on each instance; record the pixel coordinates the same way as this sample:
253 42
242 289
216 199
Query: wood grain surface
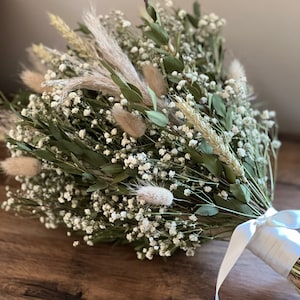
36 263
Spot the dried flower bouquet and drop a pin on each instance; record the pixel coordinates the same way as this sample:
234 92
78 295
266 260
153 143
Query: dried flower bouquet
142 136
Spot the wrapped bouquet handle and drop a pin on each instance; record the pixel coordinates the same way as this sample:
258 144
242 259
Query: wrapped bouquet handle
272 237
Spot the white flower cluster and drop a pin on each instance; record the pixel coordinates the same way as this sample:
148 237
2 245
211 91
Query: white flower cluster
148 190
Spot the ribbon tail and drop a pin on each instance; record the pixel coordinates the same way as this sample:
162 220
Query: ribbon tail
238 242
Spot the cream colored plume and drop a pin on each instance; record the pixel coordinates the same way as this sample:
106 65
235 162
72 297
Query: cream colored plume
21 166
154 79
110 51
154 195
93 82
73 39
237 72
131 124
34 80
8 121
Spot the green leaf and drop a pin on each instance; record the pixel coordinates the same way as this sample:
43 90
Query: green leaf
240 192
233 205
83 28
96 187
68 147
152 13
205 148
153 98
112 168
230 175
194 21
249 165
157 34
131 95
88 176
157 118
196 91
172 63
120 82
24 146
212 164
195 155
120 177
196 8
68 168
95 159
207 210
218 105
45 154
228 123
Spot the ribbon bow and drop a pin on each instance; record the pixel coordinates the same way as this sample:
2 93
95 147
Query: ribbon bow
242 235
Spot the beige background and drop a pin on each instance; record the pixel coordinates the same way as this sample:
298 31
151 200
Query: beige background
263 34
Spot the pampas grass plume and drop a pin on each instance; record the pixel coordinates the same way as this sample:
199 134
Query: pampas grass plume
132 125
155 80
33 80
21 166
154 195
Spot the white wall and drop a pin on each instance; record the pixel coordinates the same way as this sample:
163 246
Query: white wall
263 34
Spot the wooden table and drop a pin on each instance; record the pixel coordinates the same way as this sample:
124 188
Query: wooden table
36 263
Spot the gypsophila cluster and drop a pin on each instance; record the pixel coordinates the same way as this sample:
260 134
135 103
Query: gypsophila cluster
143 136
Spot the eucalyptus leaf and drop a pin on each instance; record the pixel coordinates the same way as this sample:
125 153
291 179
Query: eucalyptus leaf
207 210
172 63
232 204
151 12
68 147
153 98
218 105
212 164
157 34
240 192
96 187
194 21
112 168
157 118
205 147
196 91
229 117
195 155
196 9
230 174
130 94
120 177
88 176
45 154
94 158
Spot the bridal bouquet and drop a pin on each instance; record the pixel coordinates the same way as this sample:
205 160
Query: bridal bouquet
141 135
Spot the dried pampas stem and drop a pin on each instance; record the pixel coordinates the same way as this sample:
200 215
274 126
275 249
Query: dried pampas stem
132 125
21 166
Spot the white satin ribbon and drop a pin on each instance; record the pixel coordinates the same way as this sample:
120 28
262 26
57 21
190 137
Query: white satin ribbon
264 234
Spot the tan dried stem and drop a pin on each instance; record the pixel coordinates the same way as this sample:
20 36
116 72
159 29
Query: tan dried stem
73 39
42 52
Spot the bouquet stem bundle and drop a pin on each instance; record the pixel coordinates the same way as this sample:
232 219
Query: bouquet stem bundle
142 135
